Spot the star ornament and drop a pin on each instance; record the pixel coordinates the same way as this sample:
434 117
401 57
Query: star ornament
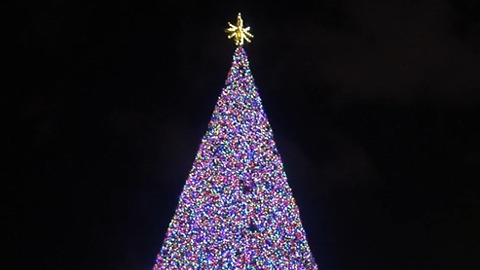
238 32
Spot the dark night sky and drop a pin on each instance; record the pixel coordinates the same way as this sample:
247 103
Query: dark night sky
374 105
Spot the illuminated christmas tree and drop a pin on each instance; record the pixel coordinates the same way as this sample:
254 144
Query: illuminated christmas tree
236 210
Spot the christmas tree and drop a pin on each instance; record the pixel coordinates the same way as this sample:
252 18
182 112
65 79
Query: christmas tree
236 210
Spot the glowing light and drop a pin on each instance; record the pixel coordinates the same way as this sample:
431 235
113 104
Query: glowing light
236 210
238 32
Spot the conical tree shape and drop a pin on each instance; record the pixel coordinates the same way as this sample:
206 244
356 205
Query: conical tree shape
236 210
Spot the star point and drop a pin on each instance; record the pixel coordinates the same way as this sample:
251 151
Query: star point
238 32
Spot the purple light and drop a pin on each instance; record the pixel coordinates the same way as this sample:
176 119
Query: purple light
236 210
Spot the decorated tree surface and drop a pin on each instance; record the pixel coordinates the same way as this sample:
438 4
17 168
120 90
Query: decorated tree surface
236 210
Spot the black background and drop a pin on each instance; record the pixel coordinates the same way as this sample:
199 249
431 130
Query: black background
374 106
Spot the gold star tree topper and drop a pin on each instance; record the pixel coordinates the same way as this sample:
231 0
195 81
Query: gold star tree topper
238 32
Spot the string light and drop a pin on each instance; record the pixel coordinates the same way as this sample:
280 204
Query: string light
236 210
